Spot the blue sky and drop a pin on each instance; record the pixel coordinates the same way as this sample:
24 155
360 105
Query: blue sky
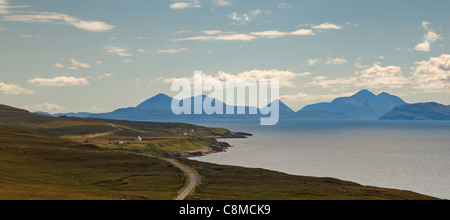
96 56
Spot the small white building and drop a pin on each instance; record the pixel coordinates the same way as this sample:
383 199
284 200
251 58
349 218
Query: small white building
120 143
139 138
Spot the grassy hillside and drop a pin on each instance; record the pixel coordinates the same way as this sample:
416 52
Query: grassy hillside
161 138
237 183
34 166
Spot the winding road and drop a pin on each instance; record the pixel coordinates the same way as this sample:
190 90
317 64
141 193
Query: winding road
194 178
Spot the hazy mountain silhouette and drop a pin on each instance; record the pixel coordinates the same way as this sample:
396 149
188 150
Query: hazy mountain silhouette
362 105
158 108
160 101
419 111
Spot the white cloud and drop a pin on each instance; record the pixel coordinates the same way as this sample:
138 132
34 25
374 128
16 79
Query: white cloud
213 32
248 16
46 107
336 61
105 76
359 65
5 5
127 61
72 68
256 12
270 34
329 61
277 34
2 29
26 36
425 25
303 32
352 24
284 5
117 50
172 50
59 65
182 32
185 5
99 62
13 89
224 37
313 62
423 47
327 26
57 18
304 97
433 37
200 38
376 76
142 51
430 37
241 18
79 64
246 37
432 75
222 3
236 37
285 77
93 26
60 81
324 82
180 5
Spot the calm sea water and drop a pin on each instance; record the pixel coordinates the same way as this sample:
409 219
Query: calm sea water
409 155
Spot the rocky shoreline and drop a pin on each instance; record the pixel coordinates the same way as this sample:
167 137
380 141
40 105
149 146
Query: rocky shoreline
217 147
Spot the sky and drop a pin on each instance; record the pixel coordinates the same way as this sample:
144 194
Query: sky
100 55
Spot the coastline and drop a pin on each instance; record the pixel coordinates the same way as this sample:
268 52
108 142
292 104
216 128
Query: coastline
217 147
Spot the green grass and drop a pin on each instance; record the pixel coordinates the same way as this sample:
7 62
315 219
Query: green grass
39 167
237 183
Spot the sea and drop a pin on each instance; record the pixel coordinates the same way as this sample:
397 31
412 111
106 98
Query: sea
407 155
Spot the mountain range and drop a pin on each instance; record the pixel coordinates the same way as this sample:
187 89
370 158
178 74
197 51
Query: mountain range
419 111
362 105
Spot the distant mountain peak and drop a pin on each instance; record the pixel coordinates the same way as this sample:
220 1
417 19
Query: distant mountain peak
365 94
160 96
384 94
158 101
283 107
363 105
